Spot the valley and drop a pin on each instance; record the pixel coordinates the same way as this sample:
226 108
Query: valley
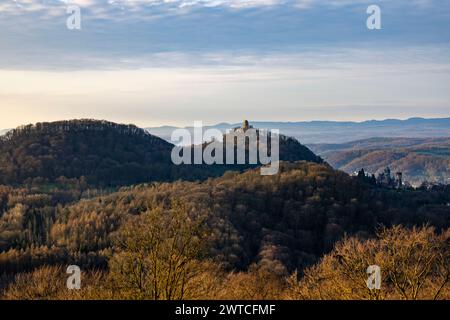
419 159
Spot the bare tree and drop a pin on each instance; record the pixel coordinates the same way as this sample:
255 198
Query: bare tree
158 254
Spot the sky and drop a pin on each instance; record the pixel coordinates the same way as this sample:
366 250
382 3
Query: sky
173 62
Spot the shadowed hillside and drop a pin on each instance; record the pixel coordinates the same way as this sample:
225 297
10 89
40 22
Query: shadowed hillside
103 153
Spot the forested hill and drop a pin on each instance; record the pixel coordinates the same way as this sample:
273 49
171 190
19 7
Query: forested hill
284 222
103 153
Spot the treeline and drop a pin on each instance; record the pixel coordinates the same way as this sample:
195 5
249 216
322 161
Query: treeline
72 125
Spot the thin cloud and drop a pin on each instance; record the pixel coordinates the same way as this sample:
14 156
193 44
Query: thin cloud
146 6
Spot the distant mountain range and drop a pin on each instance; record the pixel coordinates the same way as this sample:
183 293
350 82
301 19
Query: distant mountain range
334 131
340 132
420 159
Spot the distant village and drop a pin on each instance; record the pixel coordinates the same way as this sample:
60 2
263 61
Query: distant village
389 180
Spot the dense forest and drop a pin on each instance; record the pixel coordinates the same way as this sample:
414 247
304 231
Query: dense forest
283 223
103 152
308 232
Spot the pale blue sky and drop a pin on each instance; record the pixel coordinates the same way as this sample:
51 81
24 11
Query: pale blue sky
154 62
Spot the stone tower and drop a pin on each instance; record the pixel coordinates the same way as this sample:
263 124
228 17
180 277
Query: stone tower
245 125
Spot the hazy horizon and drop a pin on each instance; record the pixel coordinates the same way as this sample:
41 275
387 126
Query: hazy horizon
182 125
